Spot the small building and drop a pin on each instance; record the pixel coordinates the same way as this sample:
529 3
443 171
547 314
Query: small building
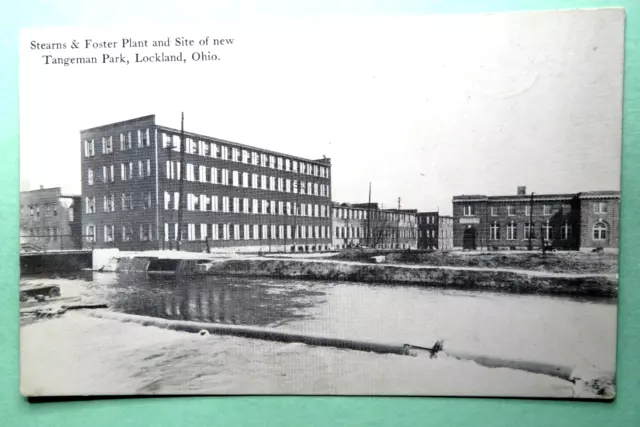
445 233
366 224
349 225
571 221
49 220
428 230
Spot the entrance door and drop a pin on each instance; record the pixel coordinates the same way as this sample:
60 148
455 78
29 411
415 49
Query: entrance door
469 239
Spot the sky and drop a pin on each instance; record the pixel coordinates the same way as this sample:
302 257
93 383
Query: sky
423 107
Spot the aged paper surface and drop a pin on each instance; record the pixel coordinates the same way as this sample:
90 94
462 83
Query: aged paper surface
422 205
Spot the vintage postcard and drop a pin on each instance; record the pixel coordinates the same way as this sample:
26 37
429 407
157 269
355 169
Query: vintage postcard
410 205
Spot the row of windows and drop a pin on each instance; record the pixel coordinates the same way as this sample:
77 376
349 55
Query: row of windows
127 172
195 232
469 210
34 210
125 139
205 203
45 233
204 174
126 200
220 151
144 233
429 234
359 233
529 231
427 219
346 213
548 231
206 149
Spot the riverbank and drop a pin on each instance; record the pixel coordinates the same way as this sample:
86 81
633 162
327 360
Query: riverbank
554 262
465 278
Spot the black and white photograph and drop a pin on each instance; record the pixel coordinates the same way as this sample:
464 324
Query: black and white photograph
384 206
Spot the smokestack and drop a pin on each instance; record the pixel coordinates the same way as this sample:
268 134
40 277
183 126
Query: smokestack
522 191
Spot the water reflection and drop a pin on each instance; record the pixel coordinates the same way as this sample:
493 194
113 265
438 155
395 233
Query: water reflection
206 299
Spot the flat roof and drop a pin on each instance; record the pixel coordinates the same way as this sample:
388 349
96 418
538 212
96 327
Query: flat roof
152 118
536 197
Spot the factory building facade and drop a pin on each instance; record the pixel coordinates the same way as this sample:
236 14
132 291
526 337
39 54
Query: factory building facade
146 186
585 221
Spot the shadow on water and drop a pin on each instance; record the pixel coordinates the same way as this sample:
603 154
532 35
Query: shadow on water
206 299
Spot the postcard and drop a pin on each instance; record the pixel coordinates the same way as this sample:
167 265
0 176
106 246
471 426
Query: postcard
382 206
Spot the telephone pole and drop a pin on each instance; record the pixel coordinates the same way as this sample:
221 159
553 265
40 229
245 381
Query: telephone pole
531 223
398 225
369 218
181 183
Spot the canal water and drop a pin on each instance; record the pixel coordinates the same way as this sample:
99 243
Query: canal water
109 357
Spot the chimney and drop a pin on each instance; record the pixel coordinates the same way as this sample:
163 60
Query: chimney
522 191
42 187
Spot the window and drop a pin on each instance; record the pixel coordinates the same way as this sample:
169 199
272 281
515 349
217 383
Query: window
108 233
547 231
90 177
126 233
125 144
89 148
512 231
90 233
280 163
600 231
546 209
527 210
600 208
468 210
126 171
109 203
143 138
89 205
529 231
127 202
107 144
272 162
511 210
146 232
566 231
146 200
235 179
494 231
108 173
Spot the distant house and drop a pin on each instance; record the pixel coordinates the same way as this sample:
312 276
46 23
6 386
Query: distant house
584 221
49 220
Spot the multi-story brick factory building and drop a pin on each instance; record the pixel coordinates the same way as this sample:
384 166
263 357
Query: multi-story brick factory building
349 225
49 220
585 221
231 196
366 224
427 230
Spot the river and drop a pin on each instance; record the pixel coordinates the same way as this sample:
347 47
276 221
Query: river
79 354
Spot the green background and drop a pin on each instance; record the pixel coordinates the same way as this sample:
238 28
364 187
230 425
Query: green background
301 411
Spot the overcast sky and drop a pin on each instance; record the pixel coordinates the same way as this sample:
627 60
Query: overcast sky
424 108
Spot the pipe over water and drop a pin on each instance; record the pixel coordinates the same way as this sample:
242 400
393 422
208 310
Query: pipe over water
558 371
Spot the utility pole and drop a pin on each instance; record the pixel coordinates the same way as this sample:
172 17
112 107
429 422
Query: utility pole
398 225
531 223
181 188
369 218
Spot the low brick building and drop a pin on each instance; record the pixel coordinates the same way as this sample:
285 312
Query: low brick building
49 220
428 230
366 224
585 221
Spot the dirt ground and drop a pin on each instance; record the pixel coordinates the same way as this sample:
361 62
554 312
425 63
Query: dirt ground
557 262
